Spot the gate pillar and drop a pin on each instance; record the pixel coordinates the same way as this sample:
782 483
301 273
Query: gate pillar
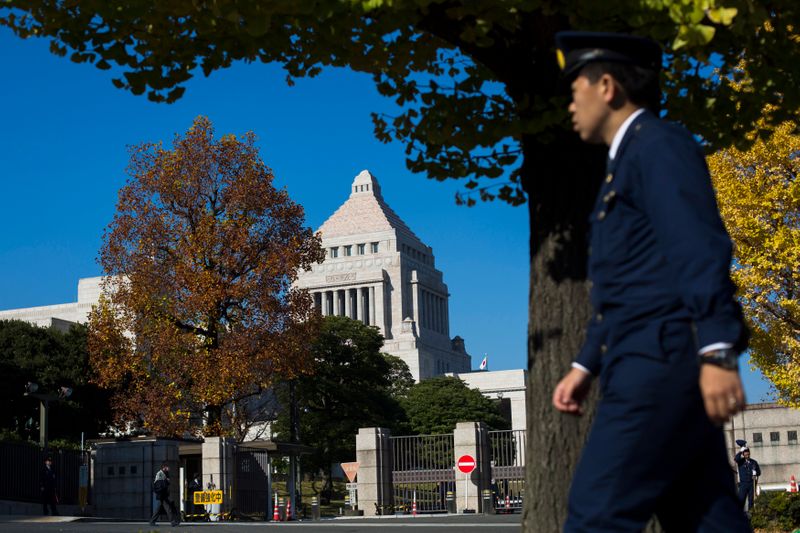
219 467
374 456
471 438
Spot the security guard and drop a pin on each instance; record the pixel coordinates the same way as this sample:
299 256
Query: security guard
749 472
666 331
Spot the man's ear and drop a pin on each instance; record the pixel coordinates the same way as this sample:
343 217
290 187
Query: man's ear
607 87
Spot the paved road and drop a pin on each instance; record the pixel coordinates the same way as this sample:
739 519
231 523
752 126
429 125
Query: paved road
421 524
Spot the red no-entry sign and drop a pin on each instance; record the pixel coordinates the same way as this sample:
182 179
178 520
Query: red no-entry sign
466 463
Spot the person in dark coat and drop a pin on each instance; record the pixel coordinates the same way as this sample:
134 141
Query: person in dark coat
749 472
196 485
47 487
163 502
665 330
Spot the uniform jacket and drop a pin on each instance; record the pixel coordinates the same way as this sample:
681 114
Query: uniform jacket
747 468
659 254
47 479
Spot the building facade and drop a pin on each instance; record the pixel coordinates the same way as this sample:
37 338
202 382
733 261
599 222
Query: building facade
771 432
61 316
378 271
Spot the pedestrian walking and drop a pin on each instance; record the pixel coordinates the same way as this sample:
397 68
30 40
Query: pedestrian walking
163 501
666 331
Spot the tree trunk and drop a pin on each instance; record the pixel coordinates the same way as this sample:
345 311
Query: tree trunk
561 180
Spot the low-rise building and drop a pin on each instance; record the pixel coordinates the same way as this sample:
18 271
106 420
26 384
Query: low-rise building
771 432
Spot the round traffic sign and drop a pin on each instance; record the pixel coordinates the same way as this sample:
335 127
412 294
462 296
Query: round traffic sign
466 463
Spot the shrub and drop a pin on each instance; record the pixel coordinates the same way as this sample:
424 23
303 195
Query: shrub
777 511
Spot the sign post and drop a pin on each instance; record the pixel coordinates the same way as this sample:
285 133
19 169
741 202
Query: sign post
466 464
351 471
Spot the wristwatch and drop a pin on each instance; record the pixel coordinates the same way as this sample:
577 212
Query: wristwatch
726 358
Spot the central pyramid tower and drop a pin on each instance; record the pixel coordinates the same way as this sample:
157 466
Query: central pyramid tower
378 271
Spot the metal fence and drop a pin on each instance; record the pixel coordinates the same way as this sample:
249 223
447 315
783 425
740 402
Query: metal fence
21 465
252 482
422 472
508 468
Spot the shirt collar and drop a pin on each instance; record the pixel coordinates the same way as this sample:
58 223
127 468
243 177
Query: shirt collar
615 142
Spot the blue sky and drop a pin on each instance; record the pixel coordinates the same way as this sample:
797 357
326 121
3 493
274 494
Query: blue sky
63 148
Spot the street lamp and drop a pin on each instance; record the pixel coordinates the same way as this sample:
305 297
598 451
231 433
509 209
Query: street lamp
44 406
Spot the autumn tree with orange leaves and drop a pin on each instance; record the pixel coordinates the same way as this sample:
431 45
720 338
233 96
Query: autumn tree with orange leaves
199 315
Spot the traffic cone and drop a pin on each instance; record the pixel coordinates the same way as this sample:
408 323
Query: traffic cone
508 504
276 517
414 508
792 484
288 509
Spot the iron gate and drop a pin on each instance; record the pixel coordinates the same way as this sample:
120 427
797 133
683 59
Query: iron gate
508 469
252 482
422 472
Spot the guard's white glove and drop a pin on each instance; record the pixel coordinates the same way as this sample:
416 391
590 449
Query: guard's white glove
742 449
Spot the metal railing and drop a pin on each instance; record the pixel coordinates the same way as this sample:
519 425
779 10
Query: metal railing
422 472
508 469
21 465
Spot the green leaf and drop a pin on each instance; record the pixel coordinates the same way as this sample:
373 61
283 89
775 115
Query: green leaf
722 15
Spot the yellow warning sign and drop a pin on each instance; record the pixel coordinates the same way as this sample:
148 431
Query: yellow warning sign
202 497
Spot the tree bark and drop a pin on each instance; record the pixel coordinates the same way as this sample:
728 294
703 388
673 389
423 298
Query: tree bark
561 181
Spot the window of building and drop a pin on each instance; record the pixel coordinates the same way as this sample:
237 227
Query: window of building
334 252
791 436
373 247
134 469
757 438
361 248
121 470
774 436
348 251
110 470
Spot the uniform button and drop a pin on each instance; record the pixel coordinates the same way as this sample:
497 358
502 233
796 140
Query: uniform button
599 317
603 348
601 215
609 178
609 196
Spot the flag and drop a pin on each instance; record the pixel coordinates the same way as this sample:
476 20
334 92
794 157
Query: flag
484 363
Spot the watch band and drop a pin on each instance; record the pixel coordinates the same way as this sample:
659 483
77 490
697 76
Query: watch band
726 358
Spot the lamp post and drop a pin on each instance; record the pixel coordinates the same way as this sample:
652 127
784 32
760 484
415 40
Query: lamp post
44 407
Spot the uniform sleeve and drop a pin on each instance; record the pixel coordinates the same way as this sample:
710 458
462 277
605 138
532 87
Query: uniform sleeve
591 353
681 206
758 469
738 458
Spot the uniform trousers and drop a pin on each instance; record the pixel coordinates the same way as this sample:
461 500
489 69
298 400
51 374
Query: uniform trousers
653 450
746 494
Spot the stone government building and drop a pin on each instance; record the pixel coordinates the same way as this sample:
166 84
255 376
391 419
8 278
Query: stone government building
378 271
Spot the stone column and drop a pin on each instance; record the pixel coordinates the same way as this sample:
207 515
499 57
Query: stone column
360 303
471 438
347 310
446 317
335 302
415 298
380 305
374 456
372 306
219 467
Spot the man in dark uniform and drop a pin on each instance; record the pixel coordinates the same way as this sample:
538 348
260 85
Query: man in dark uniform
665 332
48 486
749 471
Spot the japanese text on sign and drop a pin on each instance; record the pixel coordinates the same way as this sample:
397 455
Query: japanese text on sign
202 497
